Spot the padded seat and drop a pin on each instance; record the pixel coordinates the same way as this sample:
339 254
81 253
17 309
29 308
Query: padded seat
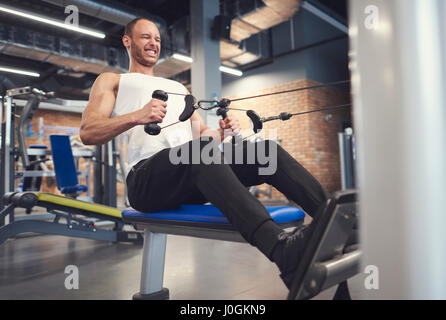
205 216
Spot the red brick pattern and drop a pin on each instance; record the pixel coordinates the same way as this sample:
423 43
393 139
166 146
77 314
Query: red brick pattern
308 138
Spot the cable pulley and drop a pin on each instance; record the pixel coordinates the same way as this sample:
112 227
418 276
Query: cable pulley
223 104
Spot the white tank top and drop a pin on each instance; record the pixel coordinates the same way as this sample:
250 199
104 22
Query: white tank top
135 90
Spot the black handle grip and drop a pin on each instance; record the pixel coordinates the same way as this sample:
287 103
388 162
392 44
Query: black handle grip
257 122
153 128
189 108
222 112
223 108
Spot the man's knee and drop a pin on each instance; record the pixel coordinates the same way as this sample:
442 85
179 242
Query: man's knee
266 142
199 151
270 146
266 157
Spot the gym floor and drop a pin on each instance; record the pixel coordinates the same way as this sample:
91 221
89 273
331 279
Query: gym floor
33 268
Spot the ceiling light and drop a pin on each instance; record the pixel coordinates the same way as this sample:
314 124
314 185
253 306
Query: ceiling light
23 72
182 58
187 59
50 21
232 71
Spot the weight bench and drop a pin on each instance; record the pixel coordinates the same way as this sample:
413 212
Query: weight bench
201 221
67 209
325 244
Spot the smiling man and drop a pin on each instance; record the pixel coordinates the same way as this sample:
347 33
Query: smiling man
124 103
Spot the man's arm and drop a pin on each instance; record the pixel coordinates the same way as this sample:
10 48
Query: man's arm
229 124
98 128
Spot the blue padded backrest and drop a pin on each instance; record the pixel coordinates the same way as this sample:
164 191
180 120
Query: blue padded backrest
210 214
66 174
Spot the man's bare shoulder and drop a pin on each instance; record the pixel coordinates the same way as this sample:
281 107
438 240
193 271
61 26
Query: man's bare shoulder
106 81
108 78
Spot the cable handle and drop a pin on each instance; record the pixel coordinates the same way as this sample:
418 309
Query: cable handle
153 128
223 108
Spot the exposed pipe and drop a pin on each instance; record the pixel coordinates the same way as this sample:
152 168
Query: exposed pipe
6 83
324 16
111 11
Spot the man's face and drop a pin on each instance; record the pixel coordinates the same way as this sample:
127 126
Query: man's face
145 43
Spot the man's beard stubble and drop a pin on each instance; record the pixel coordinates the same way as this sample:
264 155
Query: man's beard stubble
136 54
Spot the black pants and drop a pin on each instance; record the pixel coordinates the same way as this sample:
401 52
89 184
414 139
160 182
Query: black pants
156 184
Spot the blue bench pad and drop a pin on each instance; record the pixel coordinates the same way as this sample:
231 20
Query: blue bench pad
79 188
208 214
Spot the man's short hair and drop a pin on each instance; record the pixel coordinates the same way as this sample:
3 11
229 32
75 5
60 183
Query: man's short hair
129 26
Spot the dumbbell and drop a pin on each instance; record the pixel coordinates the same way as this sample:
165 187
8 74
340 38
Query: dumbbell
153 128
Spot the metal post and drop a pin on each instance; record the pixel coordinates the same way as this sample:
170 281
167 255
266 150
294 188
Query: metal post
1 112
9 145
347 160
153 259
120 144
2 158
7 153
398 75
41 130
97 176
88 176
205 73
110 174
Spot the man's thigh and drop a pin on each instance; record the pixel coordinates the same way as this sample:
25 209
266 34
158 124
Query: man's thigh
244 163
156 184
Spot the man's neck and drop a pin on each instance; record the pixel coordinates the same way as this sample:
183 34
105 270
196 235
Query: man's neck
137 68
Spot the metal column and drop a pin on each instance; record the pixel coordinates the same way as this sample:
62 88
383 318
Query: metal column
110 174
2 156
104 174
205 73
399 78
8 182
346 152
97 175
7 152
154 252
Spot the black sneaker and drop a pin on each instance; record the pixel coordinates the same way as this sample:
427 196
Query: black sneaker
292 245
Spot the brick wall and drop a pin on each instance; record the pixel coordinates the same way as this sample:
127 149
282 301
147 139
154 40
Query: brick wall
310 139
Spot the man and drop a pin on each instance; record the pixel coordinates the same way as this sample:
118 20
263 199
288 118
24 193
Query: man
124 103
